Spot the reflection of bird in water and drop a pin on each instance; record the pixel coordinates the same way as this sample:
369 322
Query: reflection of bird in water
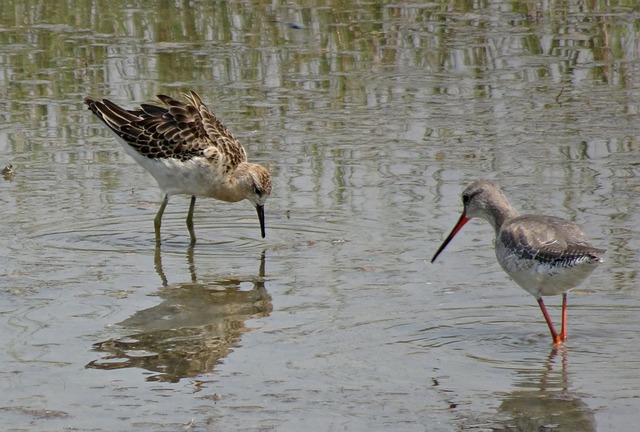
187 334
188 150
545 403
157 260
545 255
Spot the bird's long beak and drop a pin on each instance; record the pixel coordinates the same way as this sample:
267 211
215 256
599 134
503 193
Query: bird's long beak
463 220
260 210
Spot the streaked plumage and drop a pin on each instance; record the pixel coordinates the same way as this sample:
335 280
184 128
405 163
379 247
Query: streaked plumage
188 150
545 255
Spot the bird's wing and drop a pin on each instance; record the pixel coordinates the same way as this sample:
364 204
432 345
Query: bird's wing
548 239
177 130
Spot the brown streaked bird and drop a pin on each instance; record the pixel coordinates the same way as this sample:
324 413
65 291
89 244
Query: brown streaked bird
188 150
545 255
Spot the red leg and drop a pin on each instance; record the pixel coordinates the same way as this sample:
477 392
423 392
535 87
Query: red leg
554 334
563 331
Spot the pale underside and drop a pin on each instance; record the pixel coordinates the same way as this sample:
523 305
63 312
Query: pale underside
197 176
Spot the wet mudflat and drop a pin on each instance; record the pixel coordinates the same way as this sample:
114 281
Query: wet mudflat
371 117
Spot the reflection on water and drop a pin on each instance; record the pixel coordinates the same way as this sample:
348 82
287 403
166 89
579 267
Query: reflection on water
546 403
195 326
157 262
372 116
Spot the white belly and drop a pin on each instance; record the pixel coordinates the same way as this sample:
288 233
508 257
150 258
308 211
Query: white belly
544 278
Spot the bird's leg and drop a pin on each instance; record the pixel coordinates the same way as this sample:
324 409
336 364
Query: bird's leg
157 222
563 331
554 334
192 233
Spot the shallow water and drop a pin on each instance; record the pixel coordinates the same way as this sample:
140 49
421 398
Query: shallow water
372 117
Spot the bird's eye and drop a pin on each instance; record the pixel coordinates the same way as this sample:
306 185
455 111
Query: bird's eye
256 190
465 198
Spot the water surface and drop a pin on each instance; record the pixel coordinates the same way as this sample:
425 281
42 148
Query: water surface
371 117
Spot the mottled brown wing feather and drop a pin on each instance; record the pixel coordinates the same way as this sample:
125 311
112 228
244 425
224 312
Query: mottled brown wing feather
177 130
210 126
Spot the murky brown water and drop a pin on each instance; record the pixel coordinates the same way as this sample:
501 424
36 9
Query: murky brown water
372 117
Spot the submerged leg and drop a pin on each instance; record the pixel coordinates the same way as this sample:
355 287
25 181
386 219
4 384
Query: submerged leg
192 233
554 335
563 330
157 222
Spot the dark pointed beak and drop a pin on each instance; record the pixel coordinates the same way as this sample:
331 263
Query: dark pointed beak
463 220
260 210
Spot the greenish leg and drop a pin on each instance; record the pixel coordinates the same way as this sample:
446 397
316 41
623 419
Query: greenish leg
192 233
157 222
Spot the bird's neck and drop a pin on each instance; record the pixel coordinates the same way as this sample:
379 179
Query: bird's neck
500 213
234 187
